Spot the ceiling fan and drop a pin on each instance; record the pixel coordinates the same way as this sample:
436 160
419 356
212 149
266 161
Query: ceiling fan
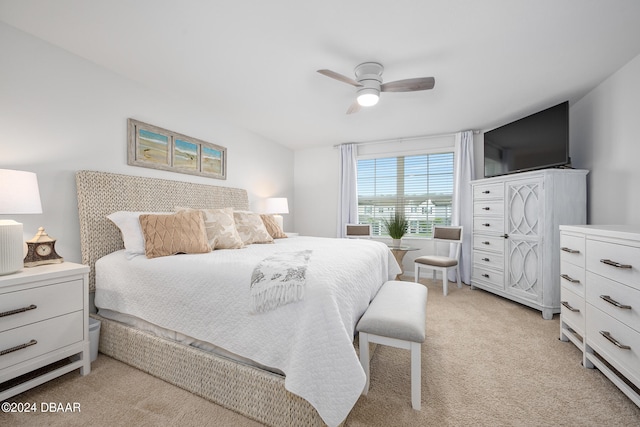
369 83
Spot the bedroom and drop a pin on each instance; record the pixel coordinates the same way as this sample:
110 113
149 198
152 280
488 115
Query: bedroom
70 112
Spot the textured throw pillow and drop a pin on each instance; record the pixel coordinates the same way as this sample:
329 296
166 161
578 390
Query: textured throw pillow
251 228
129 225
221 228
182 232
273 228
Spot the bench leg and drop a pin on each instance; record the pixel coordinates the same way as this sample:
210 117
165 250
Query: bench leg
416 376
364 358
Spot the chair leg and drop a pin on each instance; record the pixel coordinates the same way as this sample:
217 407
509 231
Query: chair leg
416 376
417 272
458 276
445 283
364 359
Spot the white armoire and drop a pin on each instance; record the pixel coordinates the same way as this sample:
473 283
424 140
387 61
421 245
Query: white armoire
516 236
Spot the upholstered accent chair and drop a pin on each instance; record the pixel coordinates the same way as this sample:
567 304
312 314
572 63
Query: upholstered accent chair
442 236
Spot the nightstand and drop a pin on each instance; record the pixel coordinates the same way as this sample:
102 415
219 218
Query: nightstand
44 325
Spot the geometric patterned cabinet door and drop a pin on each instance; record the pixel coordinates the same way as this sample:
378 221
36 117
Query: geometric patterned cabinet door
524 228
515 235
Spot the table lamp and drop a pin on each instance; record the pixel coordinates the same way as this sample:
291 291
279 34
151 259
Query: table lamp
277 206
19 194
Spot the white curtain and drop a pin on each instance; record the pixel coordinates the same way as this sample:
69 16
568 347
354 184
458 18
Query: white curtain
348 203
462 210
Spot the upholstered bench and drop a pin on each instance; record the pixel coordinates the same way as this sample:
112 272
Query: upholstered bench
396 317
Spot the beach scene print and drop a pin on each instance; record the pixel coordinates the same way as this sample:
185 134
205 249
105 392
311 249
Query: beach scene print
185 155
211 160
153 147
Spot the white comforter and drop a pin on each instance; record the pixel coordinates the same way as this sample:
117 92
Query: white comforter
207 297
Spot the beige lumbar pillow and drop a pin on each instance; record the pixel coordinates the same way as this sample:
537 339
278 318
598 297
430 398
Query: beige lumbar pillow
272 226
221 228
251 228
182 232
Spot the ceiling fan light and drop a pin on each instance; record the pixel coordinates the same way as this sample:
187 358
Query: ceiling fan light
368 97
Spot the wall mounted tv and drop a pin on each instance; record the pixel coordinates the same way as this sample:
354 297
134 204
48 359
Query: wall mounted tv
538 141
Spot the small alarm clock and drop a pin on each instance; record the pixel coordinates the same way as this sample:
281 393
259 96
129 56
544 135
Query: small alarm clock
41 250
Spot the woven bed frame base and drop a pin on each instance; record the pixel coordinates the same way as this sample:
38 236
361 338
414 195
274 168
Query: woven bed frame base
250 391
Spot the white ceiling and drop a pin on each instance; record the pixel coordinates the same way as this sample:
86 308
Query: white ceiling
254 61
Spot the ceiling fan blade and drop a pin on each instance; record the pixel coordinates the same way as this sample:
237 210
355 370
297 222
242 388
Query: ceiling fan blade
409 85
354 108
339 77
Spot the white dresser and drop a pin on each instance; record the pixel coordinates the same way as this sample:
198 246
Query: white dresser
600 273
515 233
44 325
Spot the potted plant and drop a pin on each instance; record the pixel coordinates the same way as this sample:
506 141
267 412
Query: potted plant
396 227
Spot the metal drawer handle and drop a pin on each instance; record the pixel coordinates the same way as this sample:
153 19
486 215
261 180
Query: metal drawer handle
18 347
569 278
486 224
614 264
615 342
486 192
487 208
611 301
486 259
571 251
486 243
566 304
18 310
485 275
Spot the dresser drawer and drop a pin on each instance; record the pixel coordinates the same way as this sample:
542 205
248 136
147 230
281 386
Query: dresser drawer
49 301
626 360
572 277
618 301
488 191
488 207
49 335
488 259
572 249
492 278
572 310
614 261
489 224
483 242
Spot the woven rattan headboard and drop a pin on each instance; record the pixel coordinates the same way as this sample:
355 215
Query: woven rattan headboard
102 193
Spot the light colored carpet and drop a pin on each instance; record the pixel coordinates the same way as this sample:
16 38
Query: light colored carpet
486 362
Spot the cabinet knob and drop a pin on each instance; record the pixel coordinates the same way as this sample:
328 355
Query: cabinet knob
487 208
486 224
486 192
485 275
486 259
486 243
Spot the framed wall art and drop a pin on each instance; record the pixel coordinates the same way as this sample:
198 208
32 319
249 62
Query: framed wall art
157 148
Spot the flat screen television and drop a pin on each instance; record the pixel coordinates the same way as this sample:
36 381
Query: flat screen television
538 141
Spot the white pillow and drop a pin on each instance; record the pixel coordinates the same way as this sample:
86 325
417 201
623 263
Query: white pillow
251 228
131 231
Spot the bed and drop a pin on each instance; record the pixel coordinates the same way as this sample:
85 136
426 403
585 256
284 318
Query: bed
310 342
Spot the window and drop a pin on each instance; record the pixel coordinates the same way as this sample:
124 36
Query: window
420 187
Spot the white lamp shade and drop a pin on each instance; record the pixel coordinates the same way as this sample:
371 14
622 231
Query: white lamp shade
277 205
19 192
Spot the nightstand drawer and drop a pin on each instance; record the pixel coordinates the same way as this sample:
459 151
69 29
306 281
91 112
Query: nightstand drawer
49 301
49 335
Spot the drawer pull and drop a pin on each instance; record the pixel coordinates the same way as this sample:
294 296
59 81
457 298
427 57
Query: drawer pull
18 310
569 278
486 224
571 251
615 342
566 304
486 259
486 243
485 275
611 301
486 192
614 264
18 347
487 208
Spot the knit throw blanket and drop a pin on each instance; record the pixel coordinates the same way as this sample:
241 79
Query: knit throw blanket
278 280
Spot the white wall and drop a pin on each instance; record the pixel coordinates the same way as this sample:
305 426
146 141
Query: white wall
60 113
604 139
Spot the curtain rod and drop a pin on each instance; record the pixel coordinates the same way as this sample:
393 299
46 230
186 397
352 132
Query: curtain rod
410 138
